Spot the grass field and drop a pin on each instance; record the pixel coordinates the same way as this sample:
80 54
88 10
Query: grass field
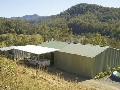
15 76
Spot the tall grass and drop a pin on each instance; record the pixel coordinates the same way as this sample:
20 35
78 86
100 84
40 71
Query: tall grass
18 77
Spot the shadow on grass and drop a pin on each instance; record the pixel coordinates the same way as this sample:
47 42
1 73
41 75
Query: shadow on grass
67 75
54 71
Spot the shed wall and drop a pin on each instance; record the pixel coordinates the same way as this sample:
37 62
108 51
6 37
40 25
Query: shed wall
18 54
74 63
47 56
50 56
110 57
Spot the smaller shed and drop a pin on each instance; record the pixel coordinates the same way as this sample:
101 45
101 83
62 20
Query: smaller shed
24 51
10 52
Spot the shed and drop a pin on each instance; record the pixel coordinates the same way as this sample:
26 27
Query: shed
86 60
24 51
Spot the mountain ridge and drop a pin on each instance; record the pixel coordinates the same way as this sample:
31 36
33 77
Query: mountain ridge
94 25
32 18
83 19
89 18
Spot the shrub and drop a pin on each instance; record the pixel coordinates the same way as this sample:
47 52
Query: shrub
107 72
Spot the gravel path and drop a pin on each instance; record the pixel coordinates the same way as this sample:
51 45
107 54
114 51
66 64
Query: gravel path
103 84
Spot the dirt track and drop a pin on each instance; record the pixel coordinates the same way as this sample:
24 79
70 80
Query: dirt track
103 84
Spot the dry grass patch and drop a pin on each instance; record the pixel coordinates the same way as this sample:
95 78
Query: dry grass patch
19 77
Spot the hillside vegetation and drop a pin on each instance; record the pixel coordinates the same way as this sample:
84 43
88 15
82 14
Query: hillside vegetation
85 23
90 18
18 77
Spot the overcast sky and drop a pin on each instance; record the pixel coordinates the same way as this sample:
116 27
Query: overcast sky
10 8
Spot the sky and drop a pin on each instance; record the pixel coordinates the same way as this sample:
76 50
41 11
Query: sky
17 8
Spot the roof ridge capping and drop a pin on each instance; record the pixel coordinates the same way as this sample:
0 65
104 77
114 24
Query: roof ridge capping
87 50
54 44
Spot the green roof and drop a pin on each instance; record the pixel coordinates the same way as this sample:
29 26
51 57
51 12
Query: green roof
87 50
54 44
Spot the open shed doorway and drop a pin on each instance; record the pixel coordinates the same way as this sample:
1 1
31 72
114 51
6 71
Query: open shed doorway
52 58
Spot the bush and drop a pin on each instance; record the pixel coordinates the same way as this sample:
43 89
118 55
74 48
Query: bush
107 72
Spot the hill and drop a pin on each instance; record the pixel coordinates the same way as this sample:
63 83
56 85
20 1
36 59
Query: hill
86 23
89 18
83 19
18 77
32 18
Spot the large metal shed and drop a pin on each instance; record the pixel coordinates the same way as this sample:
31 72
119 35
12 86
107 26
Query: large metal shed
86 60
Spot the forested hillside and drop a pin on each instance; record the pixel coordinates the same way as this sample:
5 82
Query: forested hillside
90 18
20 32
85 23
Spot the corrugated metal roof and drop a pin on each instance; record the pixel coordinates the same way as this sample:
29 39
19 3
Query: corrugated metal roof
87 50
7 48
35 49
54 44
31 48
84 50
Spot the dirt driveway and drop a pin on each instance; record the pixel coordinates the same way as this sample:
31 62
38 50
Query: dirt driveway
103 84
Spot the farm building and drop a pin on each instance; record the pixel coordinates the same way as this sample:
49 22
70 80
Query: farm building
20 52
13 53
84 60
